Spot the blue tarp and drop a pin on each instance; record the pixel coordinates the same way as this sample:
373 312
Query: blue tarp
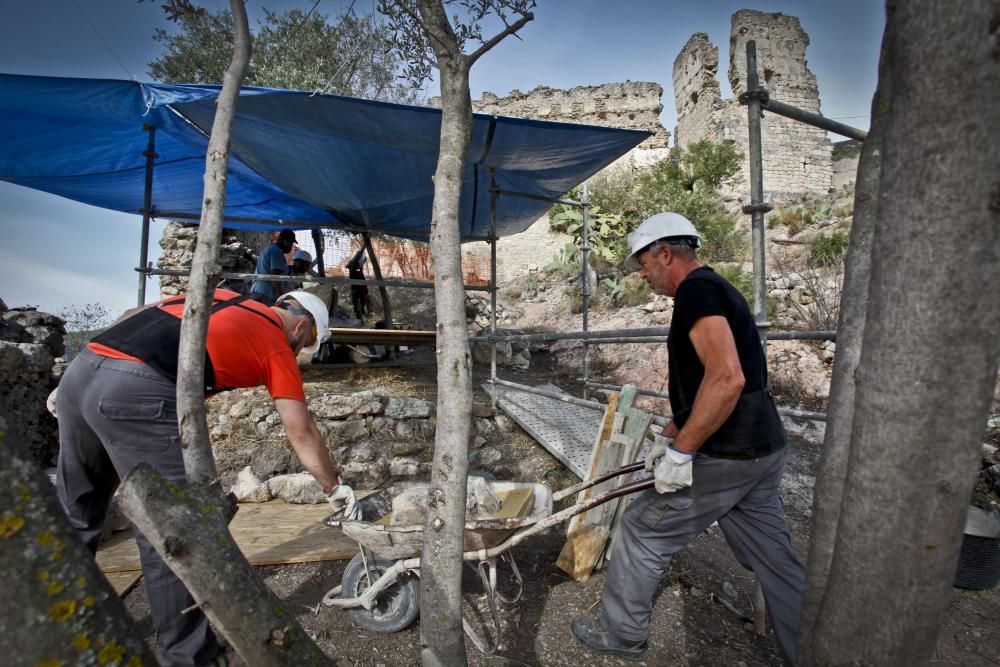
296 157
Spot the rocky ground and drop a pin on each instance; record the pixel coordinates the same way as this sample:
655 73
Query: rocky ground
688 626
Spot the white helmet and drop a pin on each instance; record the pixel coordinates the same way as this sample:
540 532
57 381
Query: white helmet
656 227
303 255
319 312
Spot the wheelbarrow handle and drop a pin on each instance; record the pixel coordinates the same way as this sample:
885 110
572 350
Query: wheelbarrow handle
586 484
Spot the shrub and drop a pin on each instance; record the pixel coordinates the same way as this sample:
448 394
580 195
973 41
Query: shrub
829 250
794 218
636 290
722 240
606 233
612 189
566 264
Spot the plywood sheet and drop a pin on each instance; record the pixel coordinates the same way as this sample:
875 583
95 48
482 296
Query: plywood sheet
123 582
267 533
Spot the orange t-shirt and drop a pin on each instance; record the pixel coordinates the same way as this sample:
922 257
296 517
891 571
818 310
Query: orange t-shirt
246 350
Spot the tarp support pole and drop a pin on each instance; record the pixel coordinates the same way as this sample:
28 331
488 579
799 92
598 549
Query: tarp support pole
319 244
757 208
586 284
147 210
377 270
493 279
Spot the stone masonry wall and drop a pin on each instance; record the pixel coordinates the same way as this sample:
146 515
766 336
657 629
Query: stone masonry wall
238 254
632 105
797 157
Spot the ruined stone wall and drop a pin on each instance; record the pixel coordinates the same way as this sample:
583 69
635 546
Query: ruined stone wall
797 157
632 105
238 254
846 155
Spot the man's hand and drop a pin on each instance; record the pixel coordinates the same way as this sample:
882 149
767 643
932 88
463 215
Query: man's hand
673 472
343 503
657 451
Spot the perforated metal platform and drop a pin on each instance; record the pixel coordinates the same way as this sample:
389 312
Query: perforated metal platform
567 431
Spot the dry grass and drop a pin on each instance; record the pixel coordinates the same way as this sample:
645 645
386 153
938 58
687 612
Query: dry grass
388 381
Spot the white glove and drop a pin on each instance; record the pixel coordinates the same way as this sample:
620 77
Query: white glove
343 503
657 451
673 472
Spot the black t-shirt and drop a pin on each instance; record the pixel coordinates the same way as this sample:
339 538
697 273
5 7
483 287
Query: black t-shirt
701 294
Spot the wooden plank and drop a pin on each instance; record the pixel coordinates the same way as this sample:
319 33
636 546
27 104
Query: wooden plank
577 551
267 533
637 424
123 582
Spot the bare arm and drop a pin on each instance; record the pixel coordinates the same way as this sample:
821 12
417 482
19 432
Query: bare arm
307 441
721 386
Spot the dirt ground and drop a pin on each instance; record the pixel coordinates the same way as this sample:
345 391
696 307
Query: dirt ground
688 626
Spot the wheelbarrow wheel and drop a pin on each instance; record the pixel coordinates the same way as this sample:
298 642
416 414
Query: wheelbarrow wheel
396 607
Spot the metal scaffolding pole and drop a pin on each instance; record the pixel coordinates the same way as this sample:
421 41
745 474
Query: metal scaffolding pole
320 243
493 278
756 208
586 284
337 280
147 211
578 335
814 119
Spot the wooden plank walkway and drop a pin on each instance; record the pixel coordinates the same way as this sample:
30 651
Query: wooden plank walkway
268 533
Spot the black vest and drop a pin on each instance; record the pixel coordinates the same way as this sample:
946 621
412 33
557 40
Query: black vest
154 335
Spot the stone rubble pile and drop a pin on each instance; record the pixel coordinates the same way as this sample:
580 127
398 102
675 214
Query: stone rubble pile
30 343
798 296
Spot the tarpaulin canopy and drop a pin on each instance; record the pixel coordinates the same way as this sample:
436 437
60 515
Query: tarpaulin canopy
298 159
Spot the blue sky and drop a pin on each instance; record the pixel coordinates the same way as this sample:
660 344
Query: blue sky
57 253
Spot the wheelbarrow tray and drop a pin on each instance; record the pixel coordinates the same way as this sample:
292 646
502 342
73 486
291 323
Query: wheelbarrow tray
396 542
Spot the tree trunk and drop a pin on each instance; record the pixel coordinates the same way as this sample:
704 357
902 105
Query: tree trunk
441 635
832 471
189 529
58 608
928 360
199 465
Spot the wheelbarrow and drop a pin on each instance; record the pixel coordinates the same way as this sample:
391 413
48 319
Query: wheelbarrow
380 587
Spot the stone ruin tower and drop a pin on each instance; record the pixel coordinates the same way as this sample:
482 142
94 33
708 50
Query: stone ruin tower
797 157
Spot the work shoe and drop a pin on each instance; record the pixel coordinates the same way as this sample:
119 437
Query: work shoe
592 635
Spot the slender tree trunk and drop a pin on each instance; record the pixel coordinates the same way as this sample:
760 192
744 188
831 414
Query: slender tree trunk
199 465
832 472
928 361
441 634
57 606
189 529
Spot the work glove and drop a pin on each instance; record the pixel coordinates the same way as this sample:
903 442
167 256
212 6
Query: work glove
656 452
673 471
343 502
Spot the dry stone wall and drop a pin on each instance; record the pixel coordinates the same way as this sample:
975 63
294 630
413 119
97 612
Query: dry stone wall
797 157
238 254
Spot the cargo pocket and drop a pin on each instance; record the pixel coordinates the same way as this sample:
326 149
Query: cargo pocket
664 507
144 425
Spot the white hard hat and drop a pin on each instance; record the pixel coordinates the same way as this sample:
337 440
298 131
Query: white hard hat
303 255
320 314
654 228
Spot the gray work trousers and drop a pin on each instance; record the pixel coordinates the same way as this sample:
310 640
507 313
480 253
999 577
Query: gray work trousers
114 415
742 495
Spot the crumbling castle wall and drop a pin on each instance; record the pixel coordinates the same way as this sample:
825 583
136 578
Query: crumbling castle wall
632 105
797 157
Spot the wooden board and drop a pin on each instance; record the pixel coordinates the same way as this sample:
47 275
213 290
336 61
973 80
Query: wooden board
267 533
123 582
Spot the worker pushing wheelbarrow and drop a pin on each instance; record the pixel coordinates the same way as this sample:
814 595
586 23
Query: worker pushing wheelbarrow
379 588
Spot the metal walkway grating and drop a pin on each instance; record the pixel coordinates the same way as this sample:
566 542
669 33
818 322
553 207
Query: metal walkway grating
567 431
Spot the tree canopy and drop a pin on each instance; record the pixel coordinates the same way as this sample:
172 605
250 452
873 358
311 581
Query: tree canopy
293 49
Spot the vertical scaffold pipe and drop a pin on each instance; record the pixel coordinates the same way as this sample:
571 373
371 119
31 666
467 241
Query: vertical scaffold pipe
757 208
320 243
493 281
586 284
147 212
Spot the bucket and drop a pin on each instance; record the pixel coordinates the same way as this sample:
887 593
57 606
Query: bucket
979 559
